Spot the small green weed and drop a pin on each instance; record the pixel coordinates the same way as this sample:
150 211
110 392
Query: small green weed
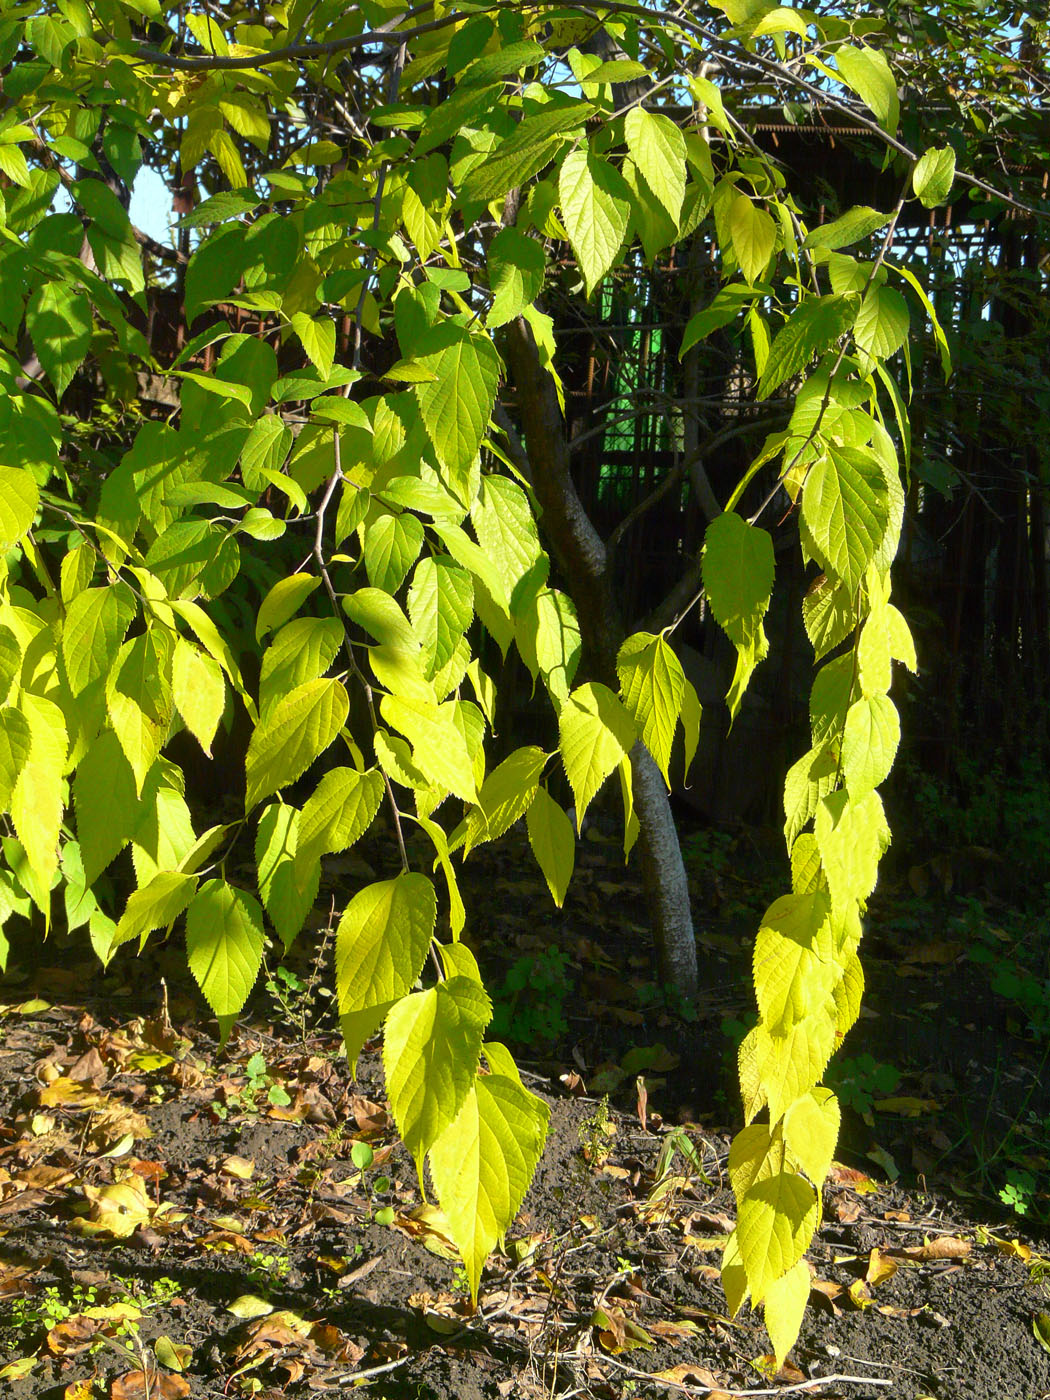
596 1133
260 1087
1018 1191
859 1081
363 1159
529 1008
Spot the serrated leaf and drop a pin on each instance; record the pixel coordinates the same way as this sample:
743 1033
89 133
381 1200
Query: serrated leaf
58 319
753 235
198 690
652 684
107 806
788 1066
738 570
295 732
807 873
934 175
829 614
457 404
438 747
657 148
506 529
548 638
596 732
340 811
392 545
775 1224
224 946
19 501
431 1046
483 1163
812 328
845 511
505 796
553 843
441 607
15 745
516 264
902 645
869 743
287 900
10 661
138 698
157 905
301 651
380 947
882 323
317 337
596 207
784 1308
284 599
868 73
811 1132
852 837
793 960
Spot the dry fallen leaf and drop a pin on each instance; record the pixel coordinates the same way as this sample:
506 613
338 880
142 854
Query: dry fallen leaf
136 1385
880 1268
946 1247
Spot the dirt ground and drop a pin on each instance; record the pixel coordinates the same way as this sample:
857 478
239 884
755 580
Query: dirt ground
178 1223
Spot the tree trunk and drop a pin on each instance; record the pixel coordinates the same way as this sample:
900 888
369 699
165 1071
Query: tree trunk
581 554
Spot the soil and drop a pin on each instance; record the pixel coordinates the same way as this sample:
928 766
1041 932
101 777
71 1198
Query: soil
609 1286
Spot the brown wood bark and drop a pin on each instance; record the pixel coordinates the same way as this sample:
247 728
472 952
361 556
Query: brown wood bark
581 554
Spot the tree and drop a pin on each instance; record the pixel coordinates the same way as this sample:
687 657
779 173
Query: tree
353 485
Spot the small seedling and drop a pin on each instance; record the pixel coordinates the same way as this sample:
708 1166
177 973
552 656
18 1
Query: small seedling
596 1133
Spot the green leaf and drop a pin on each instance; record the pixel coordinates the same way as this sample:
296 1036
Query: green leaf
438 748
457 404
808 780
775 1223
868 73
317 337
441 606
224 947
392 545
483 1163
852 227
15 744
10 661
652 684
657 148
516 264
812 328
340 811
295 732
138 698
882 323
811 1132
157 905
533 145
553 843
785 1307
596 207
94 628
283 601
380 947
505 796
793 966
596 732
431 1047
548 638
198 690
301 651
852 837
58 319
869 743
506 529
737 573
753 235
19 501
286 900
830 614
107 805
934 175
845 512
